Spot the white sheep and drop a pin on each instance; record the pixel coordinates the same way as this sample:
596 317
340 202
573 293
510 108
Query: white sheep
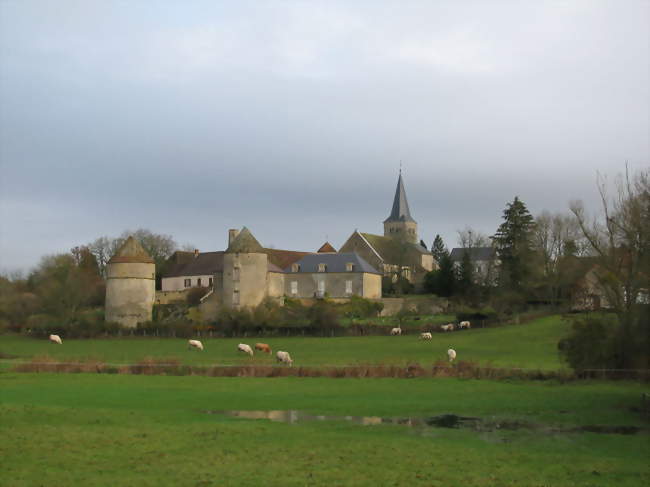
426 336
242 347
464 324
447 327
396 331
195 344
284 357
56 339
451 353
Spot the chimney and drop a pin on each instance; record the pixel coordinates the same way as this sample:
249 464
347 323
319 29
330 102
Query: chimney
232 235
196 253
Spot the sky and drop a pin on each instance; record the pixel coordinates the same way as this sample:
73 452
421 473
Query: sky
292 117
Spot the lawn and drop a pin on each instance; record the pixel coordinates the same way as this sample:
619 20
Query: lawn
530 345
107 430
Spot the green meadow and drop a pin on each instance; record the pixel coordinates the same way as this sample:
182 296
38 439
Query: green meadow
107 430
531 345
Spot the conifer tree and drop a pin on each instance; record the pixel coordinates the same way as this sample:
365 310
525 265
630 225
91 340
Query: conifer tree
513 241
438 249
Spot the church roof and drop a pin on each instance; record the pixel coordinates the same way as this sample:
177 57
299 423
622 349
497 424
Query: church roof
335 263
131 252
400 211
390 249
245 243
475 253
326 248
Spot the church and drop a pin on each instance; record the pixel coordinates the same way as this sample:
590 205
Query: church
246 273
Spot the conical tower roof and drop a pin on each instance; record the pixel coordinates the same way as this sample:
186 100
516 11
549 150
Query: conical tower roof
131 252
400 211
245 243
326 248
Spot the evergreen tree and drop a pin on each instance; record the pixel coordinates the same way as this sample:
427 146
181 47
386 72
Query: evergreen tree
438 249
442 282
513 241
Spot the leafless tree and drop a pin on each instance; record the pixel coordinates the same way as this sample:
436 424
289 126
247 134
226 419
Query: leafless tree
620 238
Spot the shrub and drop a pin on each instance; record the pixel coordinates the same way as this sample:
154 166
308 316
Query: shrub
359 307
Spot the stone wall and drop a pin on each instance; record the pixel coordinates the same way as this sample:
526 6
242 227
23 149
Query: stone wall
130 293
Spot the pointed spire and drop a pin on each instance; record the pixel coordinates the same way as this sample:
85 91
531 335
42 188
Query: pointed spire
245 243
400 211
131 252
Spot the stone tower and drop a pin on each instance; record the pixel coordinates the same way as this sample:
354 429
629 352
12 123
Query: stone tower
400 224
245 271
130 285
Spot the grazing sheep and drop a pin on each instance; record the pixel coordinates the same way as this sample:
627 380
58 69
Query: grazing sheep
451 353
263 347
425 336
284 357
464 324
447 327
242 347
396 331
195 344
56 339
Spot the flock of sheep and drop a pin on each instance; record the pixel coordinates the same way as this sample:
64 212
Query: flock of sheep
280 356
284 357
451 353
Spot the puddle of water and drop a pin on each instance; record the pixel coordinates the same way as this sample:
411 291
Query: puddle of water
292 416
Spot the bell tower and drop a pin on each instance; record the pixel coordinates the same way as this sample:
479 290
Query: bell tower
400 224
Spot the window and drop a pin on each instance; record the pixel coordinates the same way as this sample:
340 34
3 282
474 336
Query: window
348 287
322 267
349 267
235 298
321 287
198 282
210 282
235 273
295 267
294 287
187 282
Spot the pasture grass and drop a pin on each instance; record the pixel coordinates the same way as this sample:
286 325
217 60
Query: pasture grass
531 345
107 430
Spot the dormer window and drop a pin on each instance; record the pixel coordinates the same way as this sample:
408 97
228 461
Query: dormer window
295 267
349 267
322 267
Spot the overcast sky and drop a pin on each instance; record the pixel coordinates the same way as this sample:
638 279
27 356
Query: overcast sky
189 118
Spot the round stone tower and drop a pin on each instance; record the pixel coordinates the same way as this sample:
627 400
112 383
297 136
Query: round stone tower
245 272
130 285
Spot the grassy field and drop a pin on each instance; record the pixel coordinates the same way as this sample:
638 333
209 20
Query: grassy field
531 345
107 430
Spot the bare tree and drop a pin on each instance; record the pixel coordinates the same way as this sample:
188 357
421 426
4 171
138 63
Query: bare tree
470 238
620 238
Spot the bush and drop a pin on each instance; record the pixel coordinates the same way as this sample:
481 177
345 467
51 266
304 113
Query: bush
591 343
194 295
359 307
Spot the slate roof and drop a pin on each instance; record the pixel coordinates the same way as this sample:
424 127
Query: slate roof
335 263
131 252
400 211
326 248
390 249
475 254
186 264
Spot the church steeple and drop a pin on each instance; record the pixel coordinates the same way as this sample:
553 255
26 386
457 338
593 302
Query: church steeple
400 211
400 223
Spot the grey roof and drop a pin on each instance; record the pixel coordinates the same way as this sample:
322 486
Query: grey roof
335 263
475 253
400 211
204 264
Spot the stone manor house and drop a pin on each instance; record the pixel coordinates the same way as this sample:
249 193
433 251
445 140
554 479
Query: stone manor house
246 273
